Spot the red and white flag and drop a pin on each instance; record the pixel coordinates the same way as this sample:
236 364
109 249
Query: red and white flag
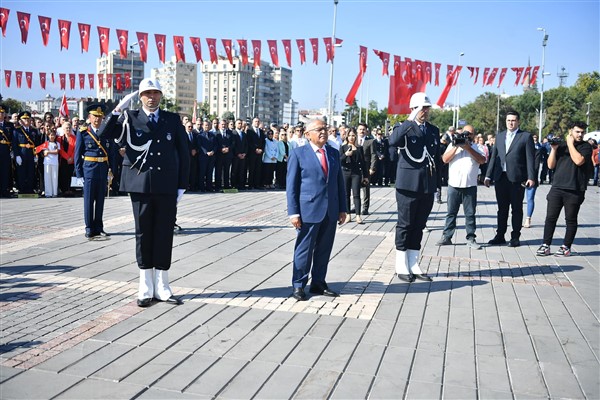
212 50
526 74
142 38
502 74
160 46
438 66
197 46
397 63
19 78
72 81
109 80
52 77
408 67
314 42
179 50
101 81
385 59
362 62
7 74
43 80
81 81
492 76
256 52
287 48
227 47
4 12
534 73
451 79
91 81
401 89
23 25
64 27
84 34
273 51
428 73
64 108
486 72
104 38
518 72
63 81
243 50
127 80
118 83
123 37
419 65
45 28
28 79
302 50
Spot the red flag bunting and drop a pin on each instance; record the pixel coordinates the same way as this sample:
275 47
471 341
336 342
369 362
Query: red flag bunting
212 50
123 37
127 80
118 83
109 81
476 75
28 78
81 81
160 46
363 59
492 77
104 38
43 80
273 51
486 72
7 74
449 69
400 92
456 74
243 50
45 28
91 81
64 108
451 78
84 34
72 81
526 74
385 59
534 73
256 52
314 42
197 48
179 50
471 70
427 74
227 47
518 72
63 81
408 68
52 77
362 63
64 27
101 81
23 25
4 12
302 50
397 64
502 74
142 38
328 48
19 78
287 48
438 66
419 65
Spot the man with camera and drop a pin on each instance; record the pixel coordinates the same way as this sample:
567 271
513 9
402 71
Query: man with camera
571 161
463 158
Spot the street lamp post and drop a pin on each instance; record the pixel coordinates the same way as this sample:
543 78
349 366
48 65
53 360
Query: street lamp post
544 41
131 48
330 105
457 104
587 120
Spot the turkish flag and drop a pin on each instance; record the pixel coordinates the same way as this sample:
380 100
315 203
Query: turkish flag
23 25
449 69
52 77
41 147
397 63
385 59
72 81
118 82
28 78
419 65
399 96
526 74
179 50
197 48
302 50
273 50
64 27
127 80
227 47
45 28
19 77
101 81
408 69
486 72
43 80
437 73
362 63
84 34
256 51
476 75
104 37
142 38
287 48
81 81
534 73
63 81
328 48
7 74
492 77
243 50
212 50
160 46
64 108
518 72
314 42
109 80
123 37
451 78
91 80
4 12
427 75
502 74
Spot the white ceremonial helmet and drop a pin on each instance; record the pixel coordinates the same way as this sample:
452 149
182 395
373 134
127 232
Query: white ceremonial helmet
418 99
149 84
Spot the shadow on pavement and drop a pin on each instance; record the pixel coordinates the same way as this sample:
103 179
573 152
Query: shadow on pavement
6 348
36 269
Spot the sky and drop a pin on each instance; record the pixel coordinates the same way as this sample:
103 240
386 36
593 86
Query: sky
489 33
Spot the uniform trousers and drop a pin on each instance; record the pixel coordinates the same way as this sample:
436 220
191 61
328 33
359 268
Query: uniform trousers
413 211
154 216
26 176
94 192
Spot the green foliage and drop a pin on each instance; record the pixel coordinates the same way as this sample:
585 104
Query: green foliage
228 115
168 105
12 106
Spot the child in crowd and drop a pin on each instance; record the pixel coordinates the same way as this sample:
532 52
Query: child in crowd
51 166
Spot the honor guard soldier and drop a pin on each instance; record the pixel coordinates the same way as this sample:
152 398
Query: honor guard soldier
25 140
6 135
417 177
155 173
91 165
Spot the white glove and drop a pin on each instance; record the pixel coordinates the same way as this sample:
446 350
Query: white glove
19 160
180 194
414 113
124 104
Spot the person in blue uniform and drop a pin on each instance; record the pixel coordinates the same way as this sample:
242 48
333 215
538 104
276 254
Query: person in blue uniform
25 140
92 148
417 177
6 137
155 173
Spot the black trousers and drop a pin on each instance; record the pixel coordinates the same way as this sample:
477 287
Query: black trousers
509 195
194 173
154 216
254 170
413 211
571 200
352 183
238 172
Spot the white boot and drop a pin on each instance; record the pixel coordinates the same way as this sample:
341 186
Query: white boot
413 265
146 288
162 291
401 263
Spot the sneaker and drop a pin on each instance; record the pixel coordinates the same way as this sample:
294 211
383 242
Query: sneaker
544 250
563 251
444 241
473 244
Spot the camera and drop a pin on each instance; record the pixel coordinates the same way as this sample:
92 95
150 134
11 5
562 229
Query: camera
460 138
555 140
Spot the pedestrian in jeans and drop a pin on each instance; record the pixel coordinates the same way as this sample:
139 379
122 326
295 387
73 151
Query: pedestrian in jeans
571 161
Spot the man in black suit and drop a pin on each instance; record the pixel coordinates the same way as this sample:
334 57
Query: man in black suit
192 134
224 157
256 146
380 145
366 141
512 168
155 173
6 137
240 149
206 143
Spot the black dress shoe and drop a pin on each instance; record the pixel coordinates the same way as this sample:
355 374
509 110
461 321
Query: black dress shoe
406 277
144 302
497 240
299 294
365 212
322 290
176 301
514 243
104 234
423 277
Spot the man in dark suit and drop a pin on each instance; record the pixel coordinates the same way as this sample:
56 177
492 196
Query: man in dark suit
256 146
417 177
224 157
316 201
206 143
512 168
6 137
366 141
155 173
240 150
192 135
380 145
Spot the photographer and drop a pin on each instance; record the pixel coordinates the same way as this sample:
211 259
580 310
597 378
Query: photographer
571 161
464 158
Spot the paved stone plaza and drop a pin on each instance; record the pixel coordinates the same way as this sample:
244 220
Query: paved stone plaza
495 323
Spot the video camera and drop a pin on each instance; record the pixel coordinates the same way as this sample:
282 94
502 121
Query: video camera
555 140
460 138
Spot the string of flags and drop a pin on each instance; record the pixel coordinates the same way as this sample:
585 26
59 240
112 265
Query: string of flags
104 80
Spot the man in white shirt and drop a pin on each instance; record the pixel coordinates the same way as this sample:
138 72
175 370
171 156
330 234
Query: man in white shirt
464 158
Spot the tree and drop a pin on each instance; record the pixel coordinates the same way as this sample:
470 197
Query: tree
12 106
168 105
228 116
